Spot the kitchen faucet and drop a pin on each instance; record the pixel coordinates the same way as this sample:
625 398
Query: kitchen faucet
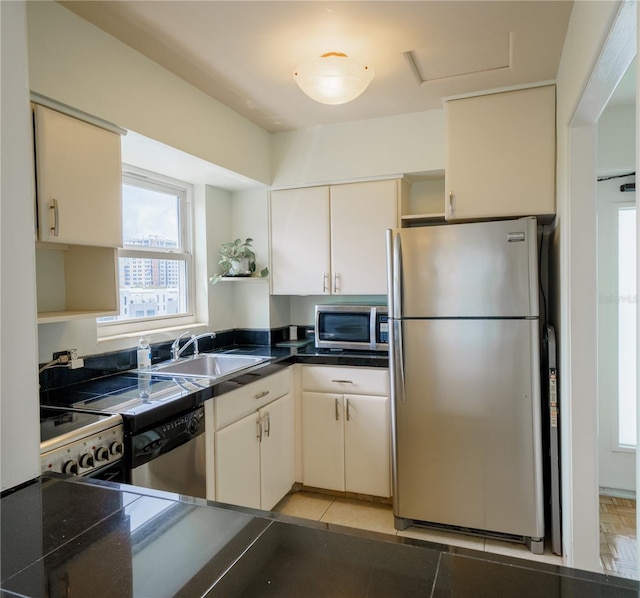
176 350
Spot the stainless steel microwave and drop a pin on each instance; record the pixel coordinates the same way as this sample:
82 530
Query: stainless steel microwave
363 327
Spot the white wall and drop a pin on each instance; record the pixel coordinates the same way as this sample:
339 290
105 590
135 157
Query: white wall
303 308
575 317
359 150
20 440
218 218
78 64
617 140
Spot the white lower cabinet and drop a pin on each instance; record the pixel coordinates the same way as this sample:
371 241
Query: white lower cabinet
346 437
255 454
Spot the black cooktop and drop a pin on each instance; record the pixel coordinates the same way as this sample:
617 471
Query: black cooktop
55 422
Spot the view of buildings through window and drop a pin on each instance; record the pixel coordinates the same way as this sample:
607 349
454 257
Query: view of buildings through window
154 262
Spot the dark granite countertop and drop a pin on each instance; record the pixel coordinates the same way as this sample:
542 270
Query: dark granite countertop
82 538
144 399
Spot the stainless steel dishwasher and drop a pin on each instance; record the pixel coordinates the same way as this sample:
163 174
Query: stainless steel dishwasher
171 456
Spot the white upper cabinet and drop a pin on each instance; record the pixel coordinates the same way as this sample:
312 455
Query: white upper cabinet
79 181
331 240
300 249
501 155
360 214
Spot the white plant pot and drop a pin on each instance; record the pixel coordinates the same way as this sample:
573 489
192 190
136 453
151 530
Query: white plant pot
239 267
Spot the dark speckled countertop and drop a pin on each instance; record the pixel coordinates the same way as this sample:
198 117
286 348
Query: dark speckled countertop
145 399
86 539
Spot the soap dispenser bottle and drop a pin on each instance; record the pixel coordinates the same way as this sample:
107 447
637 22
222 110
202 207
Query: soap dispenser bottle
144 353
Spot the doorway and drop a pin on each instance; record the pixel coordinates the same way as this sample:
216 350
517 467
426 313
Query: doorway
616 276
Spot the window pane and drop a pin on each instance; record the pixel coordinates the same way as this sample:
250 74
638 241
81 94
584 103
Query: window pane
627 326
150 218
151 288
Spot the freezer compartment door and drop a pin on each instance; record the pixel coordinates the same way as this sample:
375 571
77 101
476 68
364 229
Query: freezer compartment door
467 437
485 269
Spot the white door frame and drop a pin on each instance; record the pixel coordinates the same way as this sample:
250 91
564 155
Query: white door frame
578 302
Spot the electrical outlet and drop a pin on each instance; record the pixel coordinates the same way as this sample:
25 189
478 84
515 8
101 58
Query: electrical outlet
70 353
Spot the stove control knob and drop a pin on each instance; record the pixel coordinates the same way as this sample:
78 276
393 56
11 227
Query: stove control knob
102 454
116 448
86 460
70 467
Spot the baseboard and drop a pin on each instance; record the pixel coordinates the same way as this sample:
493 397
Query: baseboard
617 493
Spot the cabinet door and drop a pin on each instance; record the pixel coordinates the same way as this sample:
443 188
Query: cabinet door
79 181
360 214
367 445
300 262
277 452
237 456
500 158
323 440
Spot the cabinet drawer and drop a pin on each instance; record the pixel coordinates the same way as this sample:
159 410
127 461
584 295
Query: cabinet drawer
232 406
345 380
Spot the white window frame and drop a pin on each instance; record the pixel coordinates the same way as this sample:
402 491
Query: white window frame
132 175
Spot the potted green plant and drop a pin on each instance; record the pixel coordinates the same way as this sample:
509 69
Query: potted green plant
237 258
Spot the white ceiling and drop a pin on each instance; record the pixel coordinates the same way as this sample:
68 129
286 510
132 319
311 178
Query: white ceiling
244 53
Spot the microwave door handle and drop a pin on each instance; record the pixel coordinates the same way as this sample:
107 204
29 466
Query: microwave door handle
373 321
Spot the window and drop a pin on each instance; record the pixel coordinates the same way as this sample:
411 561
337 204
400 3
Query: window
155 265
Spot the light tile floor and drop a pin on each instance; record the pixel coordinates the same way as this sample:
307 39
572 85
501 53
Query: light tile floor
379 518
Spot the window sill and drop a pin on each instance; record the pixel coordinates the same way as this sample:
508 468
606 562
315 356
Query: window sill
170 331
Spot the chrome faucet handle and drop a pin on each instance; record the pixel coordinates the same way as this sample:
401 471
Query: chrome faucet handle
196 350
175 346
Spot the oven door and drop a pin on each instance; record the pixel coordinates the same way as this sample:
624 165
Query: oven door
343 327
181 470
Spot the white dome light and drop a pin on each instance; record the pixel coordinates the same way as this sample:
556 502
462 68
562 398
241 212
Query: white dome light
333 78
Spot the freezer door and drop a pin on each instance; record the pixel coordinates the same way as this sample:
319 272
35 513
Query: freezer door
466 425
485 269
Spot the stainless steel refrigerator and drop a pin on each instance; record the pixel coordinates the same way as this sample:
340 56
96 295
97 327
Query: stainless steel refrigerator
465 378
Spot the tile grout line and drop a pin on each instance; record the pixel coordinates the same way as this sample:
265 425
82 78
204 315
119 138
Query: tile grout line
327 509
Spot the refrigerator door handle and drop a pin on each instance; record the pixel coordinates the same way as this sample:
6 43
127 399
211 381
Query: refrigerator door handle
394 273
394 286
398 362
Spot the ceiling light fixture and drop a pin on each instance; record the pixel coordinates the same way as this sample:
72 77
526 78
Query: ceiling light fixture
333 78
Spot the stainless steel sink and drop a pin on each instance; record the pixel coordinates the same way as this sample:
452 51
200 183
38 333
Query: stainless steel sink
207 365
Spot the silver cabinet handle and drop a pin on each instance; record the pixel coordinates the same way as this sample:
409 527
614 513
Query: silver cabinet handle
348 414
325 281
343 381
337 410
262 394
54 207
451 203
259 430
267 430
336 278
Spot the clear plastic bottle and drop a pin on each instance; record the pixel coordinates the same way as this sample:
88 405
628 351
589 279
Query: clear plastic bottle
144 353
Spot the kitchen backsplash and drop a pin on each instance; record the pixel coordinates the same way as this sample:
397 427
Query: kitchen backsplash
107 364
